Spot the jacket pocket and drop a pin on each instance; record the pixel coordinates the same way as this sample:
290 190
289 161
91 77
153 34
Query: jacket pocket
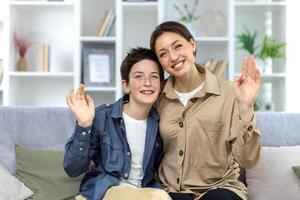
213 130
112 155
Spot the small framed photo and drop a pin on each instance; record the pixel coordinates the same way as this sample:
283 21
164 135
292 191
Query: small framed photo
98 65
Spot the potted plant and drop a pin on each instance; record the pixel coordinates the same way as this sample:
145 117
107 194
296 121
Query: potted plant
247 41
188 15
21 43
271 49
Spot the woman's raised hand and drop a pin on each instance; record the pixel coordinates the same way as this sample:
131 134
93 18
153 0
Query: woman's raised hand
82 106
246 88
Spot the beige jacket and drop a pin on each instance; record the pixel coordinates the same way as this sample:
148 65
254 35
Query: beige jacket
201 139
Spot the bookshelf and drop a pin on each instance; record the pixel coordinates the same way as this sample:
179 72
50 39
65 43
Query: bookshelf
2 47
71 31
269 16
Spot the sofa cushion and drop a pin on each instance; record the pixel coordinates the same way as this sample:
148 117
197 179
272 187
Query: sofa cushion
273 177
297 170
279 129
11 187
35 127
42 171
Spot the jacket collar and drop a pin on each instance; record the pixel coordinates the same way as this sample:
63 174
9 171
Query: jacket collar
211 86
117 109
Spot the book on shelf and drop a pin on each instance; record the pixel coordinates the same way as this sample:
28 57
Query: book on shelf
106 19
44 58
221 66
108 30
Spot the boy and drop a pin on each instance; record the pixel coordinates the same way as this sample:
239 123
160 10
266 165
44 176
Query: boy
122 139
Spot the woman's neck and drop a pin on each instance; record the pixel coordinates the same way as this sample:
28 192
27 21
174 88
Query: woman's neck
188 82
136 111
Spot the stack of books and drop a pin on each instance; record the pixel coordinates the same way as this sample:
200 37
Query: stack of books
106 24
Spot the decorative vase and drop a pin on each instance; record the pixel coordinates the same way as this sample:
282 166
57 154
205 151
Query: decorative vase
267 97
268 66
22 64
265 66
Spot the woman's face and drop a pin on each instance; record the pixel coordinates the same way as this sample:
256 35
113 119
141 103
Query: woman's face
175 53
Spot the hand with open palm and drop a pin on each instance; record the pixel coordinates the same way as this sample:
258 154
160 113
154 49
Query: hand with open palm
246 88
82 106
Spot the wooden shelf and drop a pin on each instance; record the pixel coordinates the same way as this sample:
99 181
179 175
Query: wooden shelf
43 74
258 4
212 39
272 76
139 4
98 39
99 89
41 3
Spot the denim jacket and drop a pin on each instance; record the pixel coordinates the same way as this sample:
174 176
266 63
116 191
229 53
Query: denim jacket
105 143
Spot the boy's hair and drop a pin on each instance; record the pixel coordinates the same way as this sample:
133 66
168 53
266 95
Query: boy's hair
135 55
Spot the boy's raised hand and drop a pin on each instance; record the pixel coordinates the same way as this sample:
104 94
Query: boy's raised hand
82 106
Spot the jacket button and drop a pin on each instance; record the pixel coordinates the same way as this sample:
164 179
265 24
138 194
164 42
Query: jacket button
180 124
178 180
181 153
250 128
193 100
83 133
126 175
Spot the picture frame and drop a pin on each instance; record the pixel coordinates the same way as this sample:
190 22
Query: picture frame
98 63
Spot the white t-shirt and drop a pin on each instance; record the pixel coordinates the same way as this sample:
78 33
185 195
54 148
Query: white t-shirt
136 137
185 97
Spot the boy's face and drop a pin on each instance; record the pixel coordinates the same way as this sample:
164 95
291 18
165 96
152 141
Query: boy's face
144 82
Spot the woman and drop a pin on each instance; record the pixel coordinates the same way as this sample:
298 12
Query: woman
205 123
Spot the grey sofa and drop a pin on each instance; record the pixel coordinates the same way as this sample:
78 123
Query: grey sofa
49 128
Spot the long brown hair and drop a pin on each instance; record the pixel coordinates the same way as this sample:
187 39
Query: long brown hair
173 27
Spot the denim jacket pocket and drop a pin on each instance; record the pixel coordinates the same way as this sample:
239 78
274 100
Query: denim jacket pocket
112 155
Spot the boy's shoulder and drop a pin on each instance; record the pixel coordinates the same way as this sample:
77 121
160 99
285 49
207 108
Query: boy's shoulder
104 108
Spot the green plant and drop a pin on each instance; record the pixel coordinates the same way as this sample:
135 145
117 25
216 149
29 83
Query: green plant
271 48
187 14
247 41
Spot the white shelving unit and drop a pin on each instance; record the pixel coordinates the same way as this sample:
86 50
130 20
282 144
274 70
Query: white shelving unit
2 47
70 27
269 16
42 22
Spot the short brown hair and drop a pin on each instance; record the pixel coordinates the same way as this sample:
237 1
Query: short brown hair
134 56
